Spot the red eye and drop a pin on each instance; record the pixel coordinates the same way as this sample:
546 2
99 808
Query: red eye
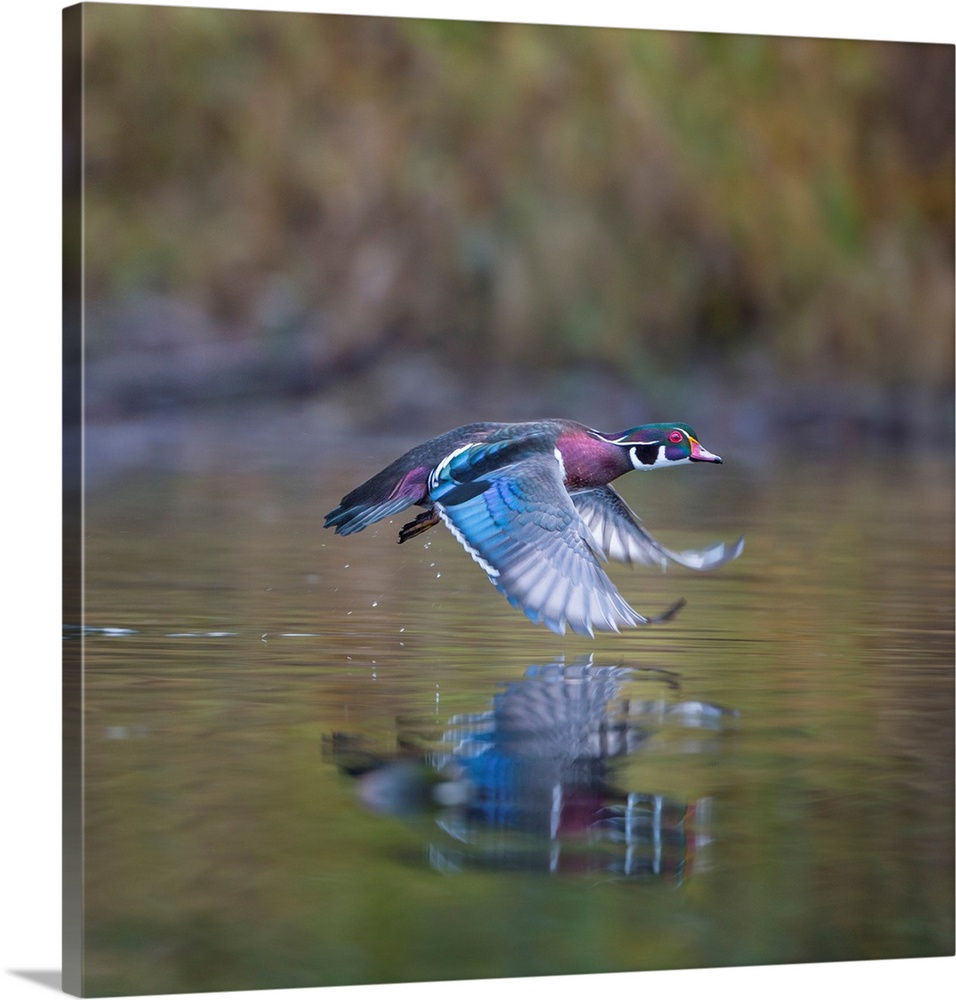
674 437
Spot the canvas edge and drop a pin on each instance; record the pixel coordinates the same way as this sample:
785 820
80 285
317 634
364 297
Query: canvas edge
72 501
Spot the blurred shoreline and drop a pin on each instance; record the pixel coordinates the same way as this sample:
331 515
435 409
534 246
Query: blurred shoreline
315 227
169 414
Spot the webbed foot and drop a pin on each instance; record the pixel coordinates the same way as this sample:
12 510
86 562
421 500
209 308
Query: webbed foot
427 519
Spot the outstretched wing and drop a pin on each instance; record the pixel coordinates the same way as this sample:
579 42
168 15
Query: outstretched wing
619 535
519 524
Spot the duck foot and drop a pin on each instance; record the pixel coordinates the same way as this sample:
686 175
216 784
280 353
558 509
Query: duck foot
667 615
427 519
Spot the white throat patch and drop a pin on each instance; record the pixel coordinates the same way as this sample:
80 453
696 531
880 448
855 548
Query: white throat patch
658 462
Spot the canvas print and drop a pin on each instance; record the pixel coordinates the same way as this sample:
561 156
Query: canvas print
390 654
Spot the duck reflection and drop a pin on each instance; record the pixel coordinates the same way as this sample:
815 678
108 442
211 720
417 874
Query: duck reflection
530 783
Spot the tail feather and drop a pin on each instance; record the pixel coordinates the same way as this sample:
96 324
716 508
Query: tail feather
348 519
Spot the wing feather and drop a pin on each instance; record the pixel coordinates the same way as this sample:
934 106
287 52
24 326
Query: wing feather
619 535
525 532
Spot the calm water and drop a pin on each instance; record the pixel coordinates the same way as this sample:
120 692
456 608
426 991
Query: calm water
313 760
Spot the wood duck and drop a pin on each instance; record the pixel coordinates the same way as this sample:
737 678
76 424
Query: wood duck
531 504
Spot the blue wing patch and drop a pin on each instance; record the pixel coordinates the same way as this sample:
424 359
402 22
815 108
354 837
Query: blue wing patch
518 523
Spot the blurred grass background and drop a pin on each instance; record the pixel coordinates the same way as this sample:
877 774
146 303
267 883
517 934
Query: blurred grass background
276 204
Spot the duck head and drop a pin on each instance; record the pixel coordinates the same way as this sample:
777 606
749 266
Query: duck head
658 446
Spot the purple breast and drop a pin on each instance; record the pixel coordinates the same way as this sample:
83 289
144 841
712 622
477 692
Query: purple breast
589 461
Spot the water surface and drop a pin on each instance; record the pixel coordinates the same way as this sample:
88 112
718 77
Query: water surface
314 760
